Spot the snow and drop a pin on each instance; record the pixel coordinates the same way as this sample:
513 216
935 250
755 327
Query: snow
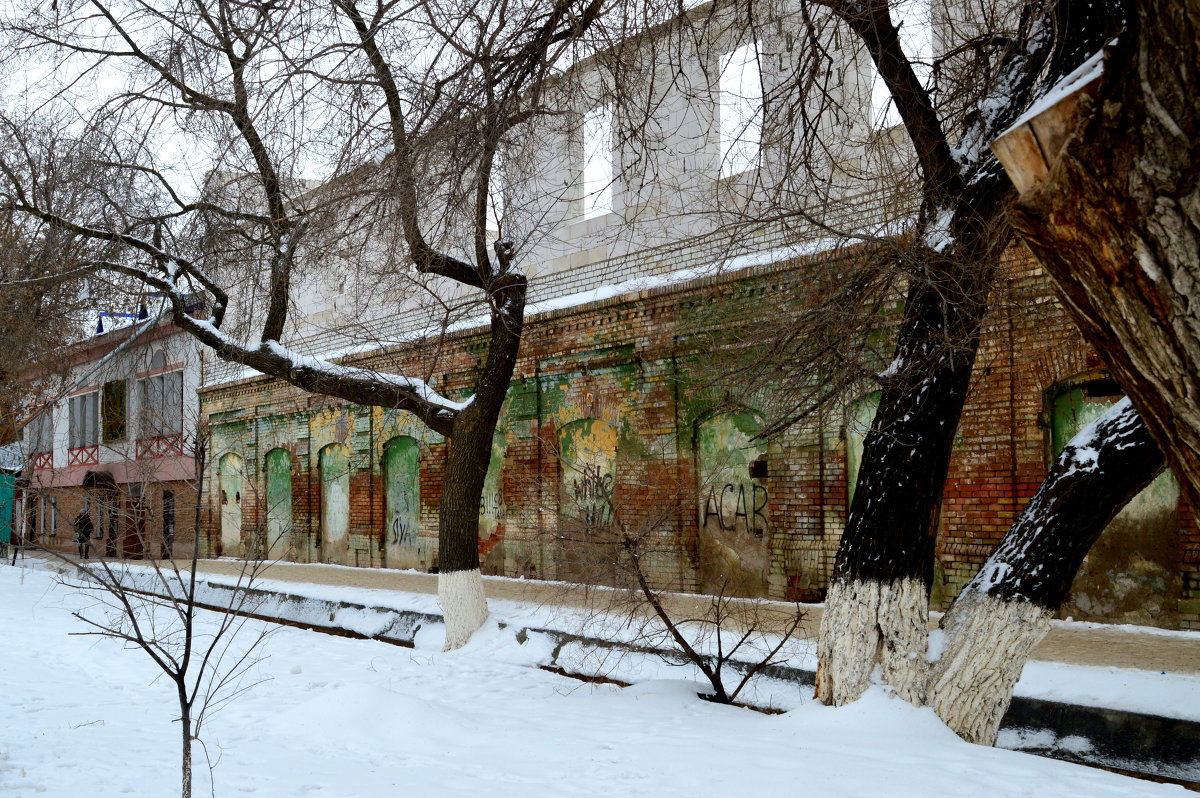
1152 692
342 717
1085 73
11 458
937 235
421 389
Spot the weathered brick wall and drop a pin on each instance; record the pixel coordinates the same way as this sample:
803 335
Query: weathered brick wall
635 366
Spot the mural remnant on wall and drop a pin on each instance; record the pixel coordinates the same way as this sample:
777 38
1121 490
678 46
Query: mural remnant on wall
588 475
733 519
229 474
279 503
334 464
1132 572
402 519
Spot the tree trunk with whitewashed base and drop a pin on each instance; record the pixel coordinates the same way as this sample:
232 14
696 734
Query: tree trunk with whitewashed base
1005 611
878 600
876 611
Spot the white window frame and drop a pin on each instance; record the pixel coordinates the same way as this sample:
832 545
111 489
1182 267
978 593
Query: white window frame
160 400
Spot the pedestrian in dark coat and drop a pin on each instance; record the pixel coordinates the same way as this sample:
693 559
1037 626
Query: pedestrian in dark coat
83 533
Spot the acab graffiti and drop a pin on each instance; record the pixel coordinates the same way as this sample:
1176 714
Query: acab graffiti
737 507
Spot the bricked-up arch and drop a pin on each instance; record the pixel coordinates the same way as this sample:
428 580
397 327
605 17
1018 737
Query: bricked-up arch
492 508
279 504
1132 572
230 480
734 524
402 504
587 481
859 415
334 467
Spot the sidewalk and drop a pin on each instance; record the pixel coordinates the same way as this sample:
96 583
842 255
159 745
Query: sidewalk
1072 643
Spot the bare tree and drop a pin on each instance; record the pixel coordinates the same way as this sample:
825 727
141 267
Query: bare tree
400 109
153 606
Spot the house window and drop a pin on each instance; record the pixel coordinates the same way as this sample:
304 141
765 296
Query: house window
161 400
40 432
739 110
84 414
112 406
597 162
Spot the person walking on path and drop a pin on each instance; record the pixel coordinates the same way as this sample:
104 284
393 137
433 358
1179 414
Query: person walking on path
83 533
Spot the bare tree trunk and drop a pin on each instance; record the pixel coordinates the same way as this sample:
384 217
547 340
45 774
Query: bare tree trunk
1004 612
185 723
877 607
1116 223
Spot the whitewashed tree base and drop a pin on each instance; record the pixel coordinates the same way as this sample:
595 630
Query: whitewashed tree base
464 605
868 623
987 643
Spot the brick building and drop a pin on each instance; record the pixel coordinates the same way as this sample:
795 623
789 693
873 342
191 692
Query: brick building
113 435
613 412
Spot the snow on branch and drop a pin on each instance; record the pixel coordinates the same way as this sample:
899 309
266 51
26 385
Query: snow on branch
417 387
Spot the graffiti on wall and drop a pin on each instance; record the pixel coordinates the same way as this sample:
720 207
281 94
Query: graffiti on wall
734 522
737 507
492 509
589 454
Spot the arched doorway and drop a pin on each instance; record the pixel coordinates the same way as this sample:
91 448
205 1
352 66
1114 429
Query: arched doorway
734 545
1132 573
402 511
587 479
334 466
229 477
279 504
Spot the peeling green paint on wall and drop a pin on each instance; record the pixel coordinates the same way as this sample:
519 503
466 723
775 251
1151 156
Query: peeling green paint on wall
279 503
334 464
230 477
859 415
1132 572
588 448
401 467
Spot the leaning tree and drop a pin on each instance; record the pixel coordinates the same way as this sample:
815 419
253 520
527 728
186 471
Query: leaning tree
179 140
1116 219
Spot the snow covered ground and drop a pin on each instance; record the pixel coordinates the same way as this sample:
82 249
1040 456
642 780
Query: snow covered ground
338 717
